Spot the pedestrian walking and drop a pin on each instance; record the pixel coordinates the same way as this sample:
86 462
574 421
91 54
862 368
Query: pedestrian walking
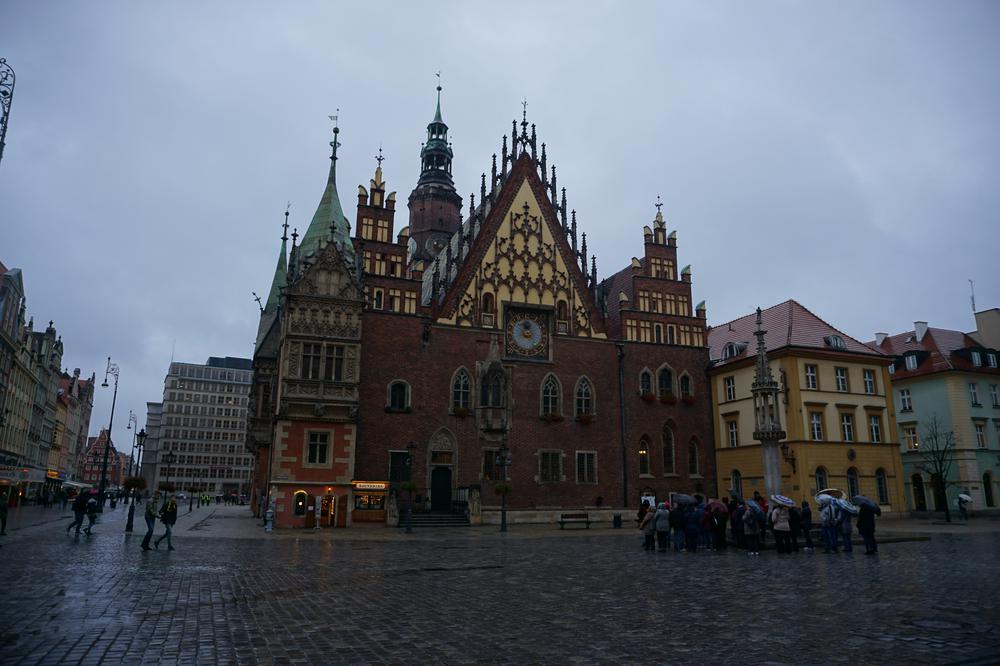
91 512
829 520
79 511
751 531
168 516
662 521
866 526
782 529
648 526
806 522
962 511
150 516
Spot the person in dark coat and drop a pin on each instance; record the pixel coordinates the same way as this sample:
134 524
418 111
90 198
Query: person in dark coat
866 526
738 535
168 516
3 513
719 519
150 516
91 511
79 511
795 523
677 526
692 529
662 520
642 513
806 523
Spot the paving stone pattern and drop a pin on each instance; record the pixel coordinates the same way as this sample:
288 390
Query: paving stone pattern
471 596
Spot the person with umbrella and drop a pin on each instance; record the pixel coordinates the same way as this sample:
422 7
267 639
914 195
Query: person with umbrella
867 510
806 523
963 501
780 523
662 521
720 514
677 525
828 520
846 511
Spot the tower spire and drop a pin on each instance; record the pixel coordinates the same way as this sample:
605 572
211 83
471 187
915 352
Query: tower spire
280 271
329 214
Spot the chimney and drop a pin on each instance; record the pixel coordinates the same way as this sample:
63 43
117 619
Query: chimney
880 338
919 330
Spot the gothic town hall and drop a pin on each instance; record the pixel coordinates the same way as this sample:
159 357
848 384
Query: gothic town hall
468 355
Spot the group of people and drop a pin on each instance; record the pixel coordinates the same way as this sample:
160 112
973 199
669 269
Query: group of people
694 522
167 515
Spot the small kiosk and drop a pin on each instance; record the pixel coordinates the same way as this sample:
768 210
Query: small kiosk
369 501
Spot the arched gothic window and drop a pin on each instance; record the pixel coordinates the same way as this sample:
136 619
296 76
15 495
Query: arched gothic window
685 386
644 456
669 455
645 382
665 381
821 479
399 396
584 397
693 457
461 390
551 402
493 388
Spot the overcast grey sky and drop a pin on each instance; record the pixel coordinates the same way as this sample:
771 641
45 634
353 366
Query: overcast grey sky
842 154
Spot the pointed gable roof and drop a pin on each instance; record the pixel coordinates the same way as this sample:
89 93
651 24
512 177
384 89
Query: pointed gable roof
788 324
468 246
327 274
279 281
328 214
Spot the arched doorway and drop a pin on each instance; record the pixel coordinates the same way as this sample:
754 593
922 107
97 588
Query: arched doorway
441 489
988 489
919 499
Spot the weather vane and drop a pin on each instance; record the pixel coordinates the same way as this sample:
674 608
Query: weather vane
524 111
284 234
438 75
658 204
379 158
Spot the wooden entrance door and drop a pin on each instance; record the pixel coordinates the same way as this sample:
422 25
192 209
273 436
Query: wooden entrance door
441 489
919 500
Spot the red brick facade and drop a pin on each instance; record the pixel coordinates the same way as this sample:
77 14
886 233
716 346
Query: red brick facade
420 322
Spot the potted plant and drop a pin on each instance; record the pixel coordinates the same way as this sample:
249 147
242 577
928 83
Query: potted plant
648 396
585 418
668 398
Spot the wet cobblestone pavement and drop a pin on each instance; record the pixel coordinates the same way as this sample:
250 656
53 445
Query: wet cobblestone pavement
471 596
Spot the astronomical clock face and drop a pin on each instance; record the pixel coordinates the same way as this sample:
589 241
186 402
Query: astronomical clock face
527 334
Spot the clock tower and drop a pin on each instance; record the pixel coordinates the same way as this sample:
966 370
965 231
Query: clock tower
435 207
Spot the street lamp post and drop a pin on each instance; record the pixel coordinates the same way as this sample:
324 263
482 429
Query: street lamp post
169 457
503 461
411 448
6 97
132 420
140 438
112 370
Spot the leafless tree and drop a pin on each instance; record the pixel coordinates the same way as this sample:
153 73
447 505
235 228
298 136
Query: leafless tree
937 453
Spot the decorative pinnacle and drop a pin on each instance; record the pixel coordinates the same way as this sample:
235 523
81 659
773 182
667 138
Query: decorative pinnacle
284 227
379 158
336 130
295 235
524 112
658 204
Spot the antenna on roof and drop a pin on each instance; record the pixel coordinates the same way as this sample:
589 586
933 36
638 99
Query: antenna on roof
972 289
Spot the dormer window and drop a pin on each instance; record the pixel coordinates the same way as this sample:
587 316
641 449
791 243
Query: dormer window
911 362
977 359
732 350
991 359
835 341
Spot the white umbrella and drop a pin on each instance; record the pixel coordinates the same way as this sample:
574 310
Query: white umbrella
964 497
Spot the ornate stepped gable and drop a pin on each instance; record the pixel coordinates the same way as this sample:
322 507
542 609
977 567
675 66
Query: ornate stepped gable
516 246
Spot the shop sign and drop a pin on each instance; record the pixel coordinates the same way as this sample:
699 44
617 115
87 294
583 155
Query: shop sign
14 473
370 485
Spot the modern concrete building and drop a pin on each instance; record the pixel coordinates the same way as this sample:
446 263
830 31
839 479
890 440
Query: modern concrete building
199 443
955 377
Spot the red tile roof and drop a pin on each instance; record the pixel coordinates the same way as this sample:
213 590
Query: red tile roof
788 324
938 346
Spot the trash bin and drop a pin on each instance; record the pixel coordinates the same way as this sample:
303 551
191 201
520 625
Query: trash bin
616 520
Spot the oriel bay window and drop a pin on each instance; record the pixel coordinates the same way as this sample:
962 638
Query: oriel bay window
333 363
312 358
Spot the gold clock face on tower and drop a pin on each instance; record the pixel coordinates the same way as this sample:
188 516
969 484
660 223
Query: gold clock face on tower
527 334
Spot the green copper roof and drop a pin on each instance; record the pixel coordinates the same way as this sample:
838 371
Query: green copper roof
280 274
329 213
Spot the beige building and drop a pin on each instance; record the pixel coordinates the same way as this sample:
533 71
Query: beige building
839 423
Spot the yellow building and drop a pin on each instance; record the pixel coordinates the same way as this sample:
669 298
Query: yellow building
840 426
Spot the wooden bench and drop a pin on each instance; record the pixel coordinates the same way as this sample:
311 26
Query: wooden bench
574 519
